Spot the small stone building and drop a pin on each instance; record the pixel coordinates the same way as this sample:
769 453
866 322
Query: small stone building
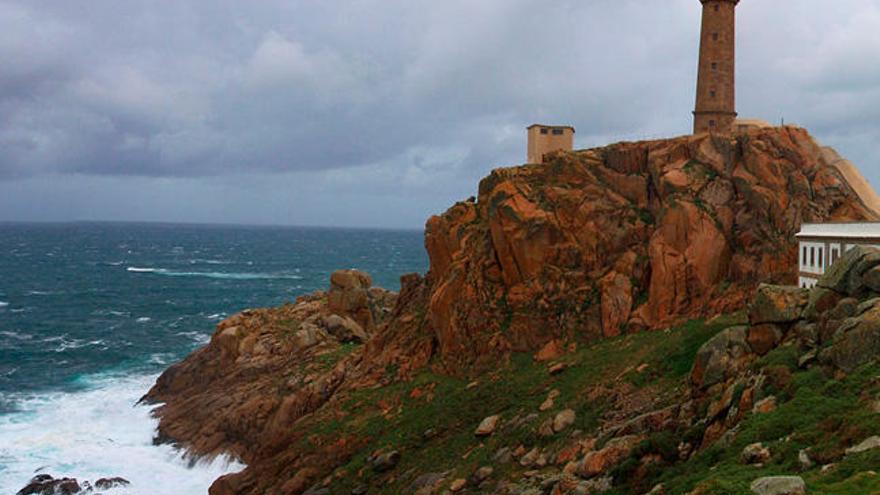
821 244
546 138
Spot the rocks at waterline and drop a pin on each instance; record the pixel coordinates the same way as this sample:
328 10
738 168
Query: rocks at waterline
45 484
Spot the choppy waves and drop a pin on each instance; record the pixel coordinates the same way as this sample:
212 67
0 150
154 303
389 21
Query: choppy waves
97 433
217 275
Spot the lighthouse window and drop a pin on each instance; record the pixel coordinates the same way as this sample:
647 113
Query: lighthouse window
711 123
544 131
716 7
712 93
557 132
714 36
714 65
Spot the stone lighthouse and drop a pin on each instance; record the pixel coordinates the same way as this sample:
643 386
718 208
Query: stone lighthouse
716 91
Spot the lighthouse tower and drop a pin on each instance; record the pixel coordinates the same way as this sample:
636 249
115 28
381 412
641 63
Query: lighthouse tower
716 92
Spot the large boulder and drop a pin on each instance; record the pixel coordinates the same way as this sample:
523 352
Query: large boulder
777 304
857 341
350 296
722 356
845 275
779 485
613 453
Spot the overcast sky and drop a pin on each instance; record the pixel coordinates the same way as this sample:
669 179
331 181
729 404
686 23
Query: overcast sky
379 112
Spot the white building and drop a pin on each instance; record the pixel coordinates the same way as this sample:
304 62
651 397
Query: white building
821 244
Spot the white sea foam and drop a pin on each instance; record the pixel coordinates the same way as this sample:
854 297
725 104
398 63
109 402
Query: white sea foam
216 275
143 319
140 270
98 433
3 304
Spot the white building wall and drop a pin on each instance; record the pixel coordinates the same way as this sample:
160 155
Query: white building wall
812 257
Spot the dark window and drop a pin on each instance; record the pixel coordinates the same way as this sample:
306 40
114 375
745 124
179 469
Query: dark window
804 257
812 256
712 93
557 132
714 36
714 65
835 253
716 7
821 258
544 131
711 123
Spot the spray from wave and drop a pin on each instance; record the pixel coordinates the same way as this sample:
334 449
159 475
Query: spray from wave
217 275
98 433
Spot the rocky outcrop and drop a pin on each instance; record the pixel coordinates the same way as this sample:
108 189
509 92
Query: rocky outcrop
591 244
265 368
630 236
45 484
824 326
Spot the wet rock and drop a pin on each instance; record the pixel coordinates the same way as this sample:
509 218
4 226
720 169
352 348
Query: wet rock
777 304
487 426
108 483
779 485
44 484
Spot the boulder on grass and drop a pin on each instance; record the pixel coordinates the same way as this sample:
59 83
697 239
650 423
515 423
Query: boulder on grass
777 304
779 485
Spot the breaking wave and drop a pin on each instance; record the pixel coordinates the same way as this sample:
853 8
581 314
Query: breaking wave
217 275
95 433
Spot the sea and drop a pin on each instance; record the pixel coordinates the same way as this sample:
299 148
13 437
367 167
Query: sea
92 313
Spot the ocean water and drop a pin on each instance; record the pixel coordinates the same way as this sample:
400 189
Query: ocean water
90 314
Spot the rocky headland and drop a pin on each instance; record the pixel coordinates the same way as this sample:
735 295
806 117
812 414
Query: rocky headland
581 329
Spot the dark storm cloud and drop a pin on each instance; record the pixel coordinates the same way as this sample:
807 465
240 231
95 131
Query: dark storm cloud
377 96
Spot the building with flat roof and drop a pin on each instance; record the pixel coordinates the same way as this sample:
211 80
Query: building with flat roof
546 138
821 244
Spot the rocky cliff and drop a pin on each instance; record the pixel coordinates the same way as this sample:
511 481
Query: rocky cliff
623 238
548 259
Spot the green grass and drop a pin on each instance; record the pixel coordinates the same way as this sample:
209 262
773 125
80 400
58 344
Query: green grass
823 414
515 389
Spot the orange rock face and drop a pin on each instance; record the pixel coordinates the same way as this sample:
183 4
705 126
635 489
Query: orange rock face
631 236
591 244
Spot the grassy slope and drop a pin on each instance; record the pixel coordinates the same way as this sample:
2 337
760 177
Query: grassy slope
815 411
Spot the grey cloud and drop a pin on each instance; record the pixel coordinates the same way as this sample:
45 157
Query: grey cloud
418 97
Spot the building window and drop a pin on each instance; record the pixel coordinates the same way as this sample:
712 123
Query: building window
711 123
714 65
804 257
835 253
716 7
557 132
712 94
714 36
544 131
821 259
812 256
